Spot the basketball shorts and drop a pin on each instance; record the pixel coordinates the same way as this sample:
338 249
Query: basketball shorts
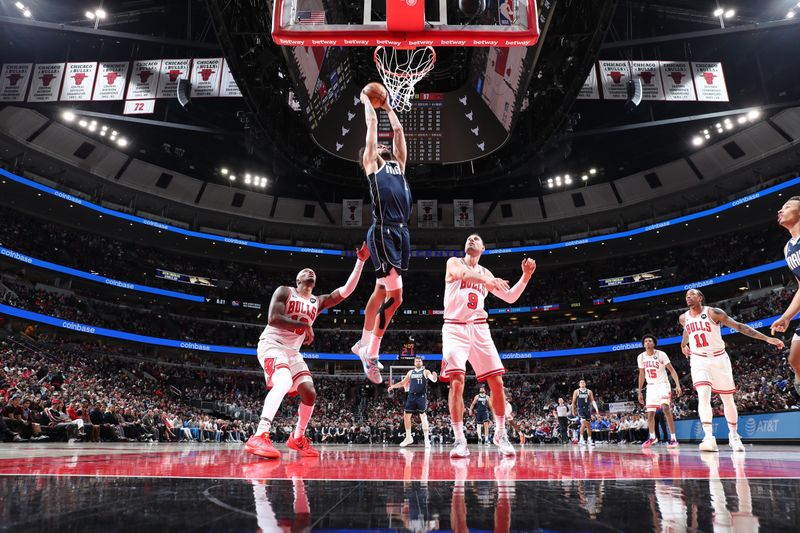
481 416
389 247
416 403
273 356
473 343
713 371
585 414
657 394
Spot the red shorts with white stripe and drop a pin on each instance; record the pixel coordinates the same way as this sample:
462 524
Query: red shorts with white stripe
469 342
715 372
273 356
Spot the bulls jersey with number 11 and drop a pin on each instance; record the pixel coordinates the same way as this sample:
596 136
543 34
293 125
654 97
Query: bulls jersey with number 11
705 335
463 300
297 308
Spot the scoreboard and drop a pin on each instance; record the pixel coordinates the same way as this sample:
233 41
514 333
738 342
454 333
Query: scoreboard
422 126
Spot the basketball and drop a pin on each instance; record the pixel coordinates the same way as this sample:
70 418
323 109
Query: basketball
376 93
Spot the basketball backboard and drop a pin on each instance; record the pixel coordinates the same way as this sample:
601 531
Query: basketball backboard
405 23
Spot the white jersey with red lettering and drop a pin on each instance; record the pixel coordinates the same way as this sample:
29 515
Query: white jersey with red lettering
463 300
655 367
297 308
705 336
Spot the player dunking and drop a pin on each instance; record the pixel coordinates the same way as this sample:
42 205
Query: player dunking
481 404
417 401
387 238
653 366
789 218
710 365
291 314
582 403
466 337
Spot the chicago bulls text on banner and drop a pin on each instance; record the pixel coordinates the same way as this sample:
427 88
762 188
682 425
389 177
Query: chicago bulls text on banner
206 77
677 78
351 213
463 214
79 81
14 81
172 70
615 76
650 74
709 82
427 214
46 82
110 81
228 87
590 90
144 79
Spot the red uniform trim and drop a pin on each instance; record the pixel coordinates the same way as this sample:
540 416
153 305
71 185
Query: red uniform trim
498 372
701 384
723 391
652 406
465 323
301 373
716 354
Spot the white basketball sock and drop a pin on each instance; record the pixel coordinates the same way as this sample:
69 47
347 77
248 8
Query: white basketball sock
281 383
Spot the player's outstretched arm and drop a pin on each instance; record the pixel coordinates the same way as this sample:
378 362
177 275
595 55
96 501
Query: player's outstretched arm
456 269
512 294
277 312
782 324
399 138
369 161
687 351
402 383
337 296
722 317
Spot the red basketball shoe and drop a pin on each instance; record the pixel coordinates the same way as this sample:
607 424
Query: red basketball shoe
302 445
261 445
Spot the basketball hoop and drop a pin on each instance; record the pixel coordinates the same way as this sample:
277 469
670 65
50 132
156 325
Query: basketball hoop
401 69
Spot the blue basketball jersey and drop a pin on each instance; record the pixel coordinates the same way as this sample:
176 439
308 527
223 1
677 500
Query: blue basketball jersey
417 383
793 257
483 403
391 197
583 399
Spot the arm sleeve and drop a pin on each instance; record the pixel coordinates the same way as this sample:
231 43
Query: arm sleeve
348 288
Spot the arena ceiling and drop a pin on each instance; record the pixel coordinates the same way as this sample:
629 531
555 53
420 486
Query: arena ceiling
556 135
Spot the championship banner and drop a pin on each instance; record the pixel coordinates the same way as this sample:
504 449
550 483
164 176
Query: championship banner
79 82
621 407
14 81
590 90
615 76
427 214
110 81
172 70
46 82
206 75
677 79
351 213
144 79
228 86
649 73
463 214
709 82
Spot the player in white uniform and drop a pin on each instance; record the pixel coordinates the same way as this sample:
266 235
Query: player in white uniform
653 366
292 312
711 367
466 337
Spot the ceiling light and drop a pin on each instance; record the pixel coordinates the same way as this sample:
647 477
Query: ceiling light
223 171
113 132
89 15
727 121
550 185
718 12
729 13
122 141
585 177
20 6
567 180
231 177
104 128
592 171
754 114
549 180
719 126
68 116
247 179
790 15
27 13
93 123
82 123
92 127
101 14
707 136
741 120
705 132
697 141
103 133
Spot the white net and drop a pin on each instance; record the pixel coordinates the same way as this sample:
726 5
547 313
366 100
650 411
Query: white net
400 70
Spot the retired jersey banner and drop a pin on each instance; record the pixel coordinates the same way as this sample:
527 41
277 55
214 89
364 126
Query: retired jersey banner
14 81
351 213
79 81
463 214
590 90
615 76
110 81
172 70
229 87
709 82
46 82
677 79
650 74
206 76
427 214
144 79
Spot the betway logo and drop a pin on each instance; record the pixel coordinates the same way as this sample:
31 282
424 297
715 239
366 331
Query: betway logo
484 42
523 42
452 42
356 42
420 42
384 42
323 42
293 42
